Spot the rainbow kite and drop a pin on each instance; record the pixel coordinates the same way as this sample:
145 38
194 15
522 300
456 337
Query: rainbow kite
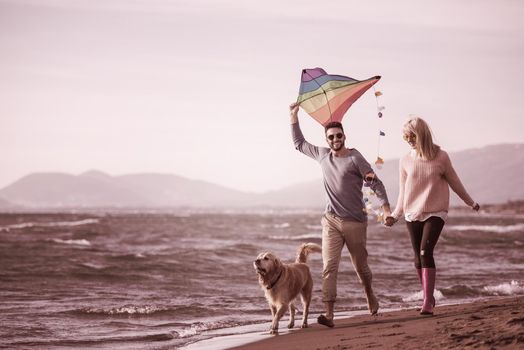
327 97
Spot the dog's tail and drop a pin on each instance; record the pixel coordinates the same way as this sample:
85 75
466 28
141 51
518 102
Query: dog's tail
305 249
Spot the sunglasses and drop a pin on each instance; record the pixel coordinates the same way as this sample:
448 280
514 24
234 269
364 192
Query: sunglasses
409 137
338 136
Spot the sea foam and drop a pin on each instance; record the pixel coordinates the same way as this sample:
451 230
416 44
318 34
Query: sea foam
418 296
52 224
315 235
283 225
83 242
488 228
511 288
125 310
200 327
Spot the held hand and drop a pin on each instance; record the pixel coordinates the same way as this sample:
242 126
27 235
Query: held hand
476 206
390 221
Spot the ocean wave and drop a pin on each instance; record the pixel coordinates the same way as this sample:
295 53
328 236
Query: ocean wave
130 256
418 296
488 228
123 310
82 242
73 223
199 327
314 227
147 309
93 266
103 342
18 226
461 291
51 224
310 236
511 288
276 226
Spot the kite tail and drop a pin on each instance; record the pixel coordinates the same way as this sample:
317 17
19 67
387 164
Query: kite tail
380 133
368 193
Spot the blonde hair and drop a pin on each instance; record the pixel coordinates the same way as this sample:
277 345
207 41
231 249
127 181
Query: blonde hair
424 147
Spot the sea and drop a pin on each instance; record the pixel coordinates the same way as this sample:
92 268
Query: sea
167 279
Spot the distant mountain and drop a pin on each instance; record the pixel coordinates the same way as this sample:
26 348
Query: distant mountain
64 190
493 174
97 189
306 195
172 190
5 204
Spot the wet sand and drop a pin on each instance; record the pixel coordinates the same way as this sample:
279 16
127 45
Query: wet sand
490 324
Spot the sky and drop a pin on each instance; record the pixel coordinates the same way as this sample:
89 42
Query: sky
201 88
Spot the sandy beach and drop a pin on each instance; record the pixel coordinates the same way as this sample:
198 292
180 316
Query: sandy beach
490 324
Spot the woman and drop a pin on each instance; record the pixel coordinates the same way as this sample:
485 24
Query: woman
425 174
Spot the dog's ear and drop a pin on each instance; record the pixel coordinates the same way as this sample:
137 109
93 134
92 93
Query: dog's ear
272 261
278 264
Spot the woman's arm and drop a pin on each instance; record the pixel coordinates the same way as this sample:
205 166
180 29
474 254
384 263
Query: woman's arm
399 208
456 185
402 175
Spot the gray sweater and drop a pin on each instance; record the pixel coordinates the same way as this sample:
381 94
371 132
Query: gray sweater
343 178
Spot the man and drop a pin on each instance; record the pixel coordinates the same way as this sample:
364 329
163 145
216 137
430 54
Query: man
345 219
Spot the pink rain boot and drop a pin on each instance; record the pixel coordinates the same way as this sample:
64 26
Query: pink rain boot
419 273
428 284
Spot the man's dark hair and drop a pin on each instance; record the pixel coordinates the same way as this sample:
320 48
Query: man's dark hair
331 125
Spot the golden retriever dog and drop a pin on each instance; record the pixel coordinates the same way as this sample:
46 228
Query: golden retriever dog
282 283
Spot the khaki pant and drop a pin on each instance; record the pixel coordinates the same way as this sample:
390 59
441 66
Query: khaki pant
335 233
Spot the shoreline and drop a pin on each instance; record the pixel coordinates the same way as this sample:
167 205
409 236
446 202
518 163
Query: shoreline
486 323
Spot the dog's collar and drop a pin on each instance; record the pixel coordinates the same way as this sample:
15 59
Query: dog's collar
278 278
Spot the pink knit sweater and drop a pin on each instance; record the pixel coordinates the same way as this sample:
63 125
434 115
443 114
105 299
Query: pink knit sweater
423 185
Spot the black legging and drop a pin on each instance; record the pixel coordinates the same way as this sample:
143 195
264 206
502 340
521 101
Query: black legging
424 236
